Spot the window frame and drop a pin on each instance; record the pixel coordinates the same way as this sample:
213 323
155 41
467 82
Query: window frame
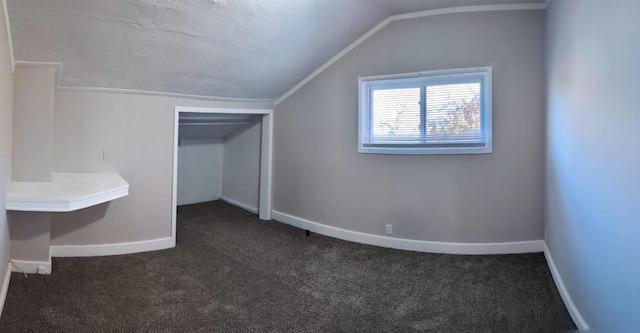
422 79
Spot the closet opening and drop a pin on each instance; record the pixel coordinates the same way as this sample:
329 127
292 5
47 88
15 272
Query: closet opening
222 154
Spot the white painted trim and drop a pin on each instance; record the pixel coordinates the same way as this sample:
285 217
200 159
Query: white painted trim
174 186
464 9
5 10
265 159
470 9
111 249
239 204
411 244
222 110
31 267
564 293
58 67
266 167
5 288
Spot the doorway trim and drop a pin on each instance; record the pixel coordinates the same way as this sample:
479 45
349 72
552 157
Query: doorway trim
266 151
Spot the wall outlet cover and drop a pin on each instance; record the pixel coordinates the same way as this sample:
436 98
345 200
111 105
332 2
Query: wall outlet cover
106 155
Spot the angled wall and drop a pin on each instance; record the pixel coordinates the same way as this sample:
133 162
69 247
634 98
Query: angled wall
593 183
319 175
241 178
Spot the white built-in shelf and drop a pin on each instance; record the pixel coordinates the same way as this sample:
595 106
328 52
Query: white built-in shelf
66 192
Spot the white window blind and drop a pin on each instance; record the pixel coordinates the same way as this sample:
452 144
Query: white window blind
428 112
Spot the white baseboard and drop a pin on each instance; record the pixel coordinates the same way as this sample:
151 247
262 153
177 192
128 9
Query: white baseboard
410 244
239 204
111 249
31 267
566 297
5 288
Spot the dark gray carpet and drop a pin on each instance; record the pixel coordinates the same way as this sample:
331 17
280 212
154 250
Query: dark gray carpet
234 273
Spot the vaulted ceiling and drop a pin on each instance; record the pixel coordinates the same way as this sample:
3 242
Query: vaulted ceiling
250 49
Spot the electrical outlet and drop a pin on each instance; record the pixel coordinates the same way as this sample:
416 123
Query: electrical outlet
389 229
106 155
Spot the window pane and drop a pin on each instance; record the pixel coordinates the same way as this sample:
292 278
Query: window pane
437 112
453 112
395 114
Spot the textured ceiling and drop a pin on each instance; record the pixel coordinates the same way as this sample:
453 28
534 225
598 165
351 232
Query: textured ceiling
256 49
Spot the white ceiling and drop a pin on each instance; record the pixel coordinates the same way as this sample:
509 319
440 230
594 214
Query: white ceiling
255 49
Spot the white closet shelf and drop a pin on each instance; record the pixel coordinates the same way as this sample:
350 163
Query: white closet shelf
66 192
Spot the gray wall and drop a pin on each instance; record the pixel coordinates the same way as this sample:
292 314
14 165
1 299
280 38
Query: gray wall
593 183
6 135
29 233
319 176
241 178
33 105
200 170
33 124
138 130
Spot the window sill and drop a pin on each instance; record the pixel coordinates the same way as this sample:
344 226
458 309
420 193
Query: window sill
425 151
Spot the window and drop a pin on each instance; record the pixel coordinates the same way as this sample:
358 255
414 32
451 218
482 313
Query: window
437 112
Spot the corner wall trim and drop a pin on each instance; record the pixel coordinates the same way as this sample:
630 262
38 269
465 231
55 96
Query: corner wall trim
57 66
5 288
5 10
31 267
564 293
111 249
411 244
441 11
239 204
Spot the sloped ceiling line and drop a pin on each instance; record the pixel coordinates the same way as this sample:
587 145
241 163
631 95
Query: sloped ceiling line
5 11
523 5
390 19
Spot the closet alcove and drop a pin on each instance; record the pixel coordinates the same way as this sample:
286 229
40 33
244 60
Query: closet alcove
223 154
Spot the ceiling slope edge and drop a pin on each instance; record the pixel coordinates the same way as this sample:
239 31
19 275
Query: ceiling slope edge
5 11
58 67
432 12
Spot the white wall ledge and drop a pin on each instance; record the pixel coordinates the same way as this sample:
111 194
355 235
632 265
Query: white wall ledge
66 192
